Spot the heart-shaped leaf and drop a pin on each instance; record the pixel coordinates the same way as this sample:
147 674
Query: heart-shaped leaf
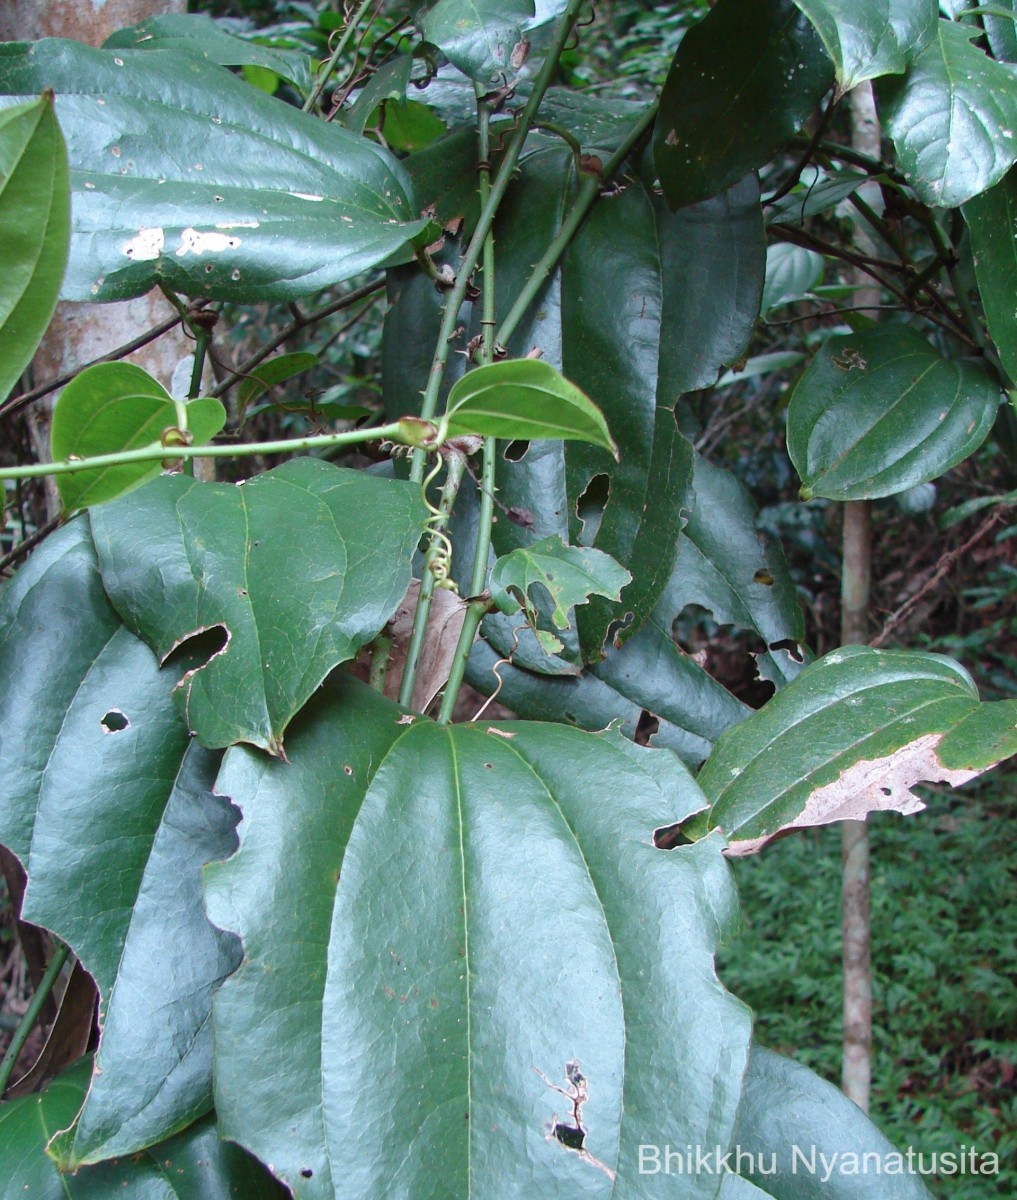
880 411
870 38
742 83
118 406
525 399
569 574
194 1164
851 735
952 117
461 966
296 570
35 227
185 175
109 806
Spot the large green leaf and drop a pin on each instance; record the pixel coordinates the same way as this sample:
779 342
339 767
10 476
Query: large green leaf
478 36
195 1165
118 406
185 175
34 230
992 220
198 34
952 117
296 570
477 919
802 1139
109 806
879 411
742 83
851 735
870 38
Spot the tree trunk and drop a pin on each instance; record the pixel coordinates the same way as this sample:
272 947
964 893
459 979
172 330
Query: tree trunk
82 332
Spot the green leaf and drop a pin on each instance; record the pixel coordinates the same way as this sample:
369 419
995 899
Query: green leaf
198 34
528 399
816 194
851 735
389 82
411 1020
409 126
879 411
478 36
272 371
992 220
185 175
952 118
35 217
196 1165
118 406
1001 30
296 569
785 1105
570 575
870 38
791 274
109 807
742 83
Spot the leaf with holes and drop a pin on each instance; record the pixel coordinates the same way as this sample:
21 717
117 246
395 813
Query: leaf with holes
196 1163
952 117
118 406
814 1139
742 84
870 38
184 175
528 399
992 221
109 806
35 220
851 735
462 966
880 411
296 570
569 574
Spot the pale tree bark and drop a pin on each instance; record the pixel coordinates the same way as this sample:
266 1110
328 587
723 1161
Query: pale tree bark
856 561
80 333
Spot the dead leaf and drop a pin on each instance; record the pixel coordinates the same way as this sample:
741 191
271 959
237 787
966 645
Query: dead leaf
444 624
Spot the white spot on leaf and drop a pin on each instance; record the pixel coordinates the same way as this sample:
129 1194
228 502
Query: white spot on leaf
193 241
306 196
145 245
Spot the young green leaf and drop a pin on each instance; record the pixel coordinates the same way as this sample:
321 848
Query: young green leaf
571 574
528 400
879 411
117 406
35 226
851 735
273 371
870 38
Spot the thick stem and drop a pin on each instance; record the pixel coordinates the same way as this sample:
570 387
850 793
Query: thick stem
27 1022
379 662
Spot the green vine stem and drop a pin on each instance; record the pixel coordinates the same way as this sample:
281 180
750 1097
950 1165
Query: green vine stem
326 71
469 261
396 431
27 1022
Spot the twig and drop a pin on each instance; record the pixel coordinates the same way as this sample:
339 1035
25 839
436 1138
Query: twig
31 1015
22 548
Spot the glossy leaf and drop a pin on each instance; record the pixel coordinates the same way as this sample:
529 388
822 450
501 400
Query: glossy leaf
791 274
784 1106
109 806
879 411
742 83
198 34
528 399
1000 21
952 118
569 574
185 175
870 38
195 1165
297 569
478 36
490 926
851 735
269 373
992 220
389 82
118 406
35 204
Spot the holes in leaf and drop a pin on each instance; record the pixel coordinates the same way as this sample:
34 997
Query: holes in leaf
668 837
725 652
590 507
568 1135
516 450
114 721
647 725
306 1173
197 649
791 646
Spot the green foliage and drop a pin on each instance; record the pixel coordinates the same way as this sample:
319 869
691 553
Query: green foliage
379 945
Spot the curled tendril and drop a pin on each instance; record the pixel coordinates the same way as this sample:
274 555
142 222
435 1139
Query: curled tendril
440 553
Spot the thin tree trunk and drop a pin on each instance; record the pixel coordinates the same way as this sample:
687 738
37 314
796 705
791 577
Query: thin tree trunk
856 556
